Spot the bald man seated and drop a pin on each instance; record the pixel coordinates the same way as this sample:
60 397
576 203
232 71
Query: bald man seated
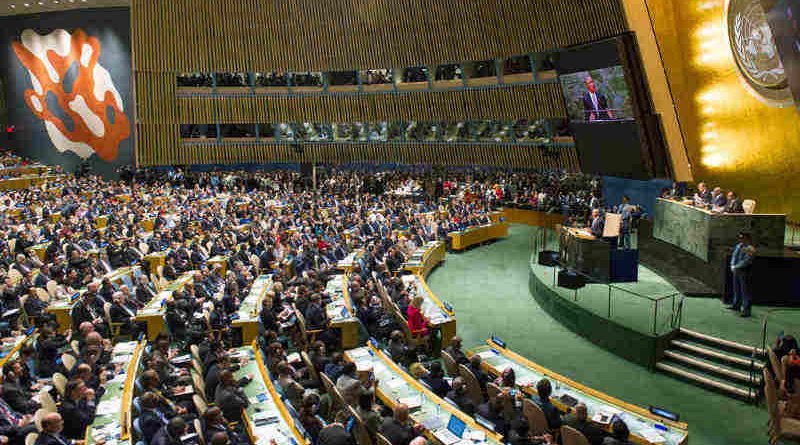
52 427
579 419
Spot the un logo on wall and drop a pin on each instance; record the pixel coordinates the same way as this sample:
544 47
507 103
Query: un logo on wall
755 53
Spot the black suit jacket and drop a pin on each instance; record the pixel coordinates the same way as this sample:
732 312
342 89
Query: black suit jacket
601 113
231 401
162 437
77 416
51 439
734 206
335 434
150 423
397 433
592 433
18 398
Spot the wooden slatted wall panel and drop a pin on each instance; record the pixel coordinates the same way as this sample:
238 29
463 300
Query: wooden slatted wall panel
254 35
510 156
528 101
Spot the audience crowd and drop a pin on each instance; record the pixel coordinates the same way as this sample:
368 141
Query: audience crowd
64 238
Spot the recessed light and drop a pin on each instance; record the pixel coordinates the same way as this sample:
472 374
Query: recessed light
12 6
41 3
27 5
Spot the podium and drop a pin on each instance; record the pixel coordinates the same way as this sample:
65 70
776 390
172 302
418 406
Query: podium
597 258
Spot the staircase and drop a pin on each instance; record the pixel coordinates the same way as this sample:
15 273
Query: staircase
721 365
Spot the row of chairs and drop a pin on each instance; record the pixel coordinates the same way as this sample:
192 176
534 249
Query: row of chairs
537 422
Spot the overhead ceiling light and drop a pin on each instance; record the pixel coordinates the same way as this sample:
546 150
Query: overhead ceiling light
27 5
12 6
41 3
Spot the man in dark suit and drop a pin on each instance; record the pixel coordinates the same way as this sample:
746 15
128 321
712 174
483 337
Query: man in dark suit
18 397
459 395
551 413
734 204
152 418
230 398
595 104
52 425
597 223
77 409
475 367
396 428
580 421
171 433
454 349
14 425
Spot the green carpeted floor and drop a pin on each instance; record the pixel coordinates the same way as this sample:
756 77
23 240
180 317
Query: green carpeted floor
488 286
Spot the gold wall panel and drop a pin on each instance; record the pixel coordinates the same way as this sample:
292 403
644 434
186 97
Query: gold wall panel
304 35
735 139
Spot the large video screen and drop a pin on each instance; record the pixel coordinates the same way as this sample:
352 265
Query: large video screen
608 107
597 95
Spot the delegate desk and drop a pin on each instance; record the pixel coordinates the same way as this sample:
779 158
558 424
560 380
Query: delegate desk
340 310
40 249
711 237
476 235
26 181
221 260
156 259
582 252
153 312
266 417
112 421
247 316
434 311
62 309
395 386
645 428
425 258
347 263
10 347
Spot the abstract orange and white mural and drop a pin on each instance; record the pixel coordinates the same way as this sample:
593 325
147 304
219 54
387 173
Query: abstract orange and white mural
67 79
92 101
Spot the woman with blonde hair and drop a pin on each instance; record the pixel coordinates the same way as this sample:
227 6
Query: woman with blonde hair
417 323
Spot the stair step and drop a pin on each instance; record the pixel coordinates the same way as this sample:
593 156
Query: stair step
746 349
705 381
714 368
717 355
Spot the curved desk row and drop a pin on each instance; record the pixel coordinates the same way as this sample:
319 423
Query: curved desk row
267 417
340 310
62 309
425 258
645 428
476 235
247 315
9 350
153 312
437 314
395 386
112 421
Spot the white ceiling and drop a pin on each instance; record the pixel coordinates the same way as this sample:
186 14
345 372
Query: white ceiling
18 7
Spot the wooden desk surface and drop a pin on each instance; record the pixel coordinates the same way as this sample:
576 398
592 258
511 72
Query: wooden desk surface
639 420
395 386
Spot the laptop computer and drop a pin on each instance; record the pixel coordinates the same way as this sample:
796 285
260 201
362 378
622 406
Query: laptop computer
453 432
